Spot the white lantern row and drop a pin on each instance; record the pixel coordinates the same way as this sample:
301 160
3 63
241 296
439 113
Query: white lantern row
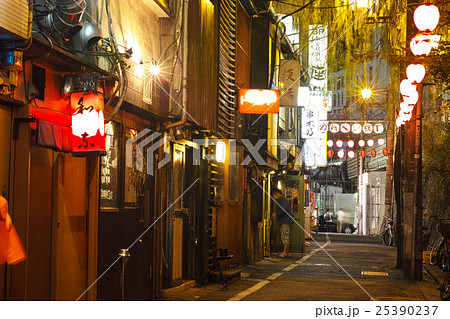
356 128
426 18
351 143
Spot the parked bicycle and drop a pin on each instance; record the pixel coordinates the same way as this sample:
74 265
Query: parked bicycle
388 232
444 229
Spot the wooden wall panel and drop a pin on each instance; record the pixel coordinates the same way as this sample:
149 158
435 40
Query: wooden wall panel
202 64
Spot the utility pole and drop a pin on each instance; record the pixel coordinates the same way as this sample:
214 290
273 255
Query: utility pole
412 178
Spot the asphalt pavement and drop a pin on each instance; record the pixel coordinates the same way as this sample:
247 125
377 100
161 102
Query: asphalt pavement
335 267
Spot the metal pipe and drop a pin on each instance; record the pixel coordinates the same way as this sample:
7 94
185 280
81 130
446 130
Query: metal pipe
184 74
122 74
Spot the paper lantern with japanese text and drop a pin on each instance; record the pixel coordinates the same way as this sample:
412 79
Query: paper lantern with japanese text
330 153
385 152
362 153
88 124
373 153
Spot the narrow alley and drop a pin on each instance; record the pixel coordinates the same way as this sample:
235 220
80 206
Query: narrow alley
349 267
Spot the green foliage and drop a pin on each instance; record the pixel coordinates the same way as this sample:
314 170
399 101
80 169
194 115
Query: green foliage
436 169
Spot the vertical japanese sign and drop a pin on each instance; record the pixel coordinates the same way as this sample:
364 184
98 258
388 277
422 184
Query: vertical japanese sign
289 82
319 102
88 124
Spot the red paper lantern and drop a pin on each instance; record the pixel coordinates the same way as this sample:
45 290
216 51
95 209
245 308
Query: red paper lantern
373 153
330 153
362 153
88 124
385 152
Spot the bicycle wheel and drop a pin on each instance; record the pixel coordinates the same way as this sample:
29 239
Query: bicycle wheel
445 288
387 237
443 256
433 257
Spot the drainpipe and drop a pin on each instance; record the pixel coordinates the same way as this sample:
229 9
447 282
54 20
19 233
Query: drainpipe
185 58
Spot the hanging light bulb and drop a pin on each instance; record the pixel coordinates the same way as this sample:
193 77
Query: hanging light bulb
351 144
339 143
330 143
415 73
426 17
351 154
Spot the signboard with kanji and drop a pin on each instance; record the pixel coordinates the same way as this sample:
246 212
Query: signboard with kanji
289 82
88 124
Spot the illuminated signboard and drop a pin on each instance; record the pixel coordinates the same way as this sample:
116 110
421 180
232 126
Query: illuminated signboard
88 124
255 101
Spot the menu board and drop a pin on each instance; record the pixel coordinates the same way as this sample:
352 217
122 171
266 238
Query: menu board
109 165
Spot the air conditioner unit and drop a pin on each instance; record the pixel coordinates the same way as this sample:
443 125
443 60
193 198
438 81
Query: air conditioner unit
14 20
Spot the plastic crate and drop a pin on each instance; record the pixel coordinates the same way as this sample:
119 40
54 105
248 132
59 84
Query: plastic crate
444 227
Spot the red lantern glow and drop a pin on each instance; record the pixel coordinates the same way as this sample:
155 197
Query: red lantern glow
373 153
385 152
362 153
330 153
426 17
88 124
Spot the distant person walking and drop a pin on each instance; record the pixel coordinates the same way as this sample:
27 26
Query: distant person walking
329 220
284 217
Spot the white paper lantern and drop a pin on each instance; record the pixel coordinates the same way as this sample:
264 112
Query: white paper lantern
415 73
426 17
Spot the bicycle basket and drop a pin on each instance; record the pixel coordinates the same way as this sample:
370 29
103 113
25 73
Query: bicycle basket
444 227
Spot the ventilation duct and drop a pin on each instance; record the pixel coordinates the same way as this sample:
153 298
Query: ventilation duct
64 16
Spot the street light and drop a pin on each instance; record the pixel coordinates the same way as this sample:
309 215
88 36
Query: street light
366 93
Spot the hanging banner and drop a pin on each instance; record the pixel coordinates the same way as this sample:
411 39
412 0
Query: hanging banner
289 82
88 124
